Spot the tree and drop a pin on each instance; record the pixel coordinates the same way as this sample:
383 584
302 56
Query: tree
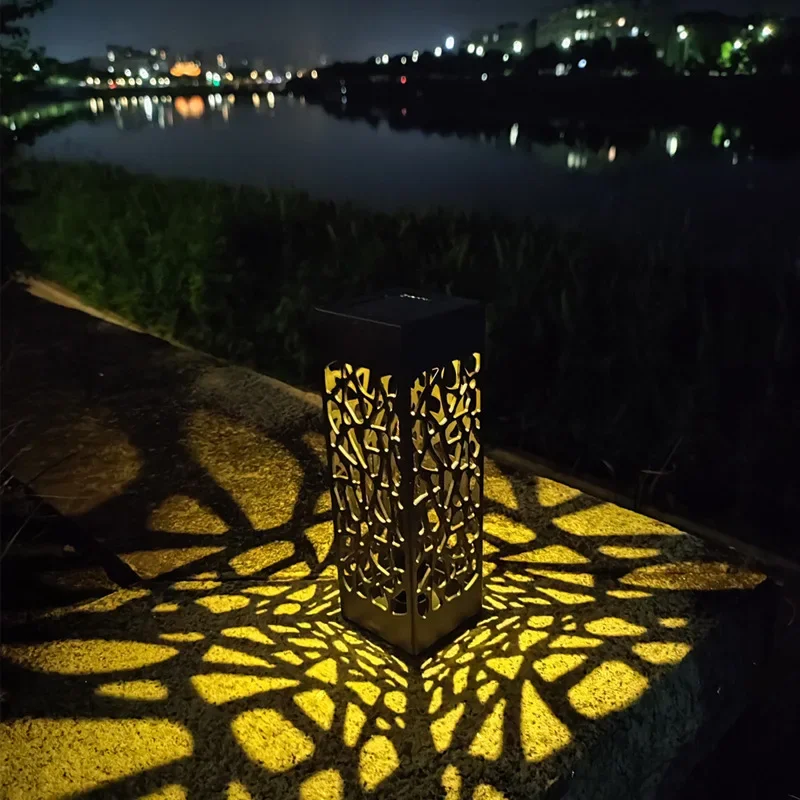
16 56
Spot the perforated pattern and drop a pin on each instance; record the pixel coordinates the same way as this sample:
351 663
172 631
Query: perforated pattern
445 409
365 465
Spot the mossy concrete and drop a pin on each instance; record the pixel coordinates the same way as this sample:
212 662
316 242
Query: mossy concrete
611 645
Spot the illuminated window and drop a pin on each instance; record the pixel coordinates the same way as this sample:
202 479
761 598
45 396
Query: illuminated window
402 403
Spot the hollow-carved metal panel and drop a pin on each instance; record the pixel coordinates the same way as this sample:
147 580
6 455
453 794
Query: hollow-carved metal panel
364 451
447 464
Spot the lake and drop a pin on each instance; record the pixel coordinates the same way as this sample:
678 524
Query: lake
620 176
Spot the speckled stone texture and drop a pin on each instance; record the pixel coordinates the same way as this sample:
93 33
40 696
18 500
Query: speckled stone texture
612 650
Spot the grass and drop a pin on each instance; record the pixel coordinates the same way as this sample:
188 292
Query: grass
652 366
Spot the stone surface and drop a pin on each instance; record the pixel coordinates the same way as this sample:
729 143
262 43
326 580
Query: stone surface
609 643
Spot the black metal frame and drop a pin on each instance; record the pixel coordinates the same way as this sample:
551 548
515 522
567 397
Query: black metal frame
401 398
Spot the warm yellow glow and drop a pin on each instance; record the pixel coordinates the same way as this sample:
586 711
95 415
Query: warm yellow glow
326 785
662 652
485 692
321 536
610 520
269 739
354 719
498 488
508 666
442 729
87 656
188 69
578 578
614 626
100 751
528 639
485 792
165 608
567 642
289 657
502 527
287 608
317 705
150 564
134 690
111 602
629 552
181 637
451 783
248 632
540 621
395 701
222 603
673 622
488 741
172 792
193 108
542 733
325 671
182 514
554 666
219 687
549 493
693 576
260 474
196 586
368 692
460 678
436 700
613 686
570 598
294 572
237 791
628 594
260 558
377 761
303 594
551 554
224 655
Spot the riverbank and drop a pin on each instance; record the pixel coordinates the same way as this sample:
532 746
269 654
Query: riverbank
653 367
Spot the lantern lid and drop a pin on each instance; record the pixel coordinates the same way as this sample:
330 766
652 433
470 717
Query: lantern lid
400 307
400 329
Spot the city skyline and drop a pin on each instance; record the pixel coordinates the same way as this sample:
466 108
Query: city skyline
73 29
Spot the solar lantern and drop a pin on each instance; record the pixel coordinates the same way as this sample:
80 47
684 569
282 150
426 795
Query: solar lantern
402 406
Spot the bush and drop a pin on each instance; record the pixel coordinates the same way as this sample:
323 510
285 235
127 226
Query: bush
606 361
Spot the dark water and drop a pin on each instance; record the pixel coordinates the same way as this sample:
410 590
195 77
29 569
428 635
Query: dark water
617 175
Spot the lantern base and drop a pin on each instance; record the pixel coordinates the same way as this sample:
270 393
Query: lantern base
410 632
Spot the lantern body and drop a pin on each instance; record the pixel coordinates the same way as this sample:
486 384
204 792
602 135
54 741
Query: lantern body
402 403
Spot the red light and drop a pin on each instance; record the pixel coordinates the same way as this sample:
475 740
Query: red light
403 79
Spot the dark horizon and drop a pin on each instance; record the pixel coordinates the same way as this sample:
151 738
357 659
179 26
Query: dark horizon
289 34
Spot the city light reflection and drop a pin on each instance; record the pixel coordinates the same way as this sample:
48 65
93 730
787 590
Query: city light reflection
193 108
672 144
270 99
513 134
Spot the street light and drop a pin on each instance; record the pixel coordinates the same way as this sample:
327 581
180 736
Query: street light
566 42
437 52
517 46
450 42
767 30
470 48
737 44
683 35
402 404
479 51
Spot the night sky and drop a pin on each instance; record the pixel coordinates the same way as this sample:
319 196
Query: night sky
290 32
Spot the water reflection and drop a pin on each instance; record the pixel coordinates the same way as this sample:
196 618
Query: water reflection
594 171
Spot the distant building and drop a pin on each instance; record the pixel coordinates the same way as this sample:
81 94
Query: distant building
510 37
591 21
128 63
